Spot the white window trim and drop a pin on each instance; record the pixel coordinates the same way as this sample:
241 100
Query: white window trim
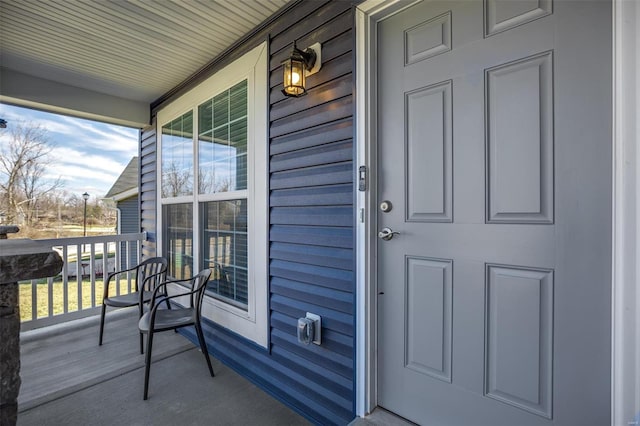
253 323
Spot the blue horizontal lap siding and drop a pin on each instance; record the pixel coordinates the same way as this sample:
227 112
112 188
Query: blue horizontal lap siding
311 220
316 196
321 114
324 154
324 377
313 176
320 135
147 189
313 255
331 216
339 300
311 226
320 236
270 374
318 275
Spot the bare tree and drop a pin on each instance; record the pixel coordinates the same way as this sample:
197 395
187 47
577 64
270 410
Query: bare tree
25 151
175 181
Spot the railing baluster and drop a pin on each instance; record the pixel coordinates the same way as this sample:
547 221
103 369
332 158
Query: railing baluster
105 264
50 296
120 245
105 269
65 279
79 274
34 299
127 247
92 272
118 267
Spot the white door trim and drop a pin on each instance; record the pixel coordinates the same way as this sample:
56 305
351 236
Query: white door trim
625 378
625 383
368 14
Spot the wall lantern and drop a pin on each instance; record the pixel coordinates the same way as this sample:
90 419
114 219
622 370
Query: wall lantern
300 65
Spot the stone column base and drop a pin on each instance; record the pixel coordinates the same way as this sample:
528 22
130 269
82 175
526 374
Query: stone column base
9 354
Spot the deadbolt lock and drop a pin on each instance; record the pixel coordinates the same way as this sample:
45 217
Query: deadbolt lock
386 206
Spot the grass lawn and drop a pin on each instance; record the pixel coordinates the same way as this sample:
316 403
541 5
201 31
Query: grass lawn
42 297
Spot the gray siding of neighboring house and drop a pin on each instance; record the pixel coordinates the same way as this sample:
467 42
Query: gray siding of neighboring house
312 218
129 223
129 218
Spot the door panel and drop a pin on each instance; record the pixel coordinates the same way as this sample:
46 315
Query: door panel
494 149
519 125
428 317
518 330
428 111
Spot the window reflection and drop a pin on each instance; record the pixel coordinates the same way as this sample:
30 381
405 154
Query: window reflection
224 249
178 239
177 157
222 141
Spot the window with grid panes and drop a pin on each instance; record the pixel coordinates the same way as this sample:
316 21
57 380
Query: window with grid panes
213 183
222 166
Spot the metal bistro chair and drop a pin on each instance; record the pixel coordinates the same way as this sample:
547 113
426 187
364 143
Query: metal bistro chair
148 275
156 320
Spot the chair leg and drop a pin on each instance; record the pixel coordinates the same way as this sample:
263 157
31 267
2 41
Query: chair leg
140 312
147 364
175 330
102 314
203 347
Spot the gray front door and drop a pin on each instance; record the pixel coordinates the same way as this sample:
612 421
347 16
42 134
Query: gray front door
494 153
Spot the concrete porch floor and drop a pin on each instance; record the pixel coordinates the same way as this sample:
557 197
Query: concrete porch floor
67 379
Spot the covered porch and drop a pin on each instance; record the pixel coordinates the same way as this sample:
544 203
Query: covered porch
320 229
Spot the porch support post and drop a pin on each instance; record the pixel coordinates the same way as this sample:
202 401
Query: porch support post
9 353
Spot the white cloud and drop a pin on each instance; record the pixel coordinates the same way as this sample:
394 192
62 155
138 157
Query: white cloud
32 116
87 156
91 164
112 139
81 172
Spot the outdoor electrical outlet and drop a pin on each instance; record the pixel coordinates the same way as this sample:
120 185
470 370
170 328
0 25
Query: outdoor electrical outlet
317 325
309 329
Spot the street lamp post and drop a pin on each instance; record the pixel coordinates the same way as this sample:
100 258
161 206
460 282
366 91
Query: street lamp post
85 196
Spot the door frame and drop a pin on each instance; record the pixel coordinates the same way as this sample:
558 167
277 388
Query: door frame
625 310
625 345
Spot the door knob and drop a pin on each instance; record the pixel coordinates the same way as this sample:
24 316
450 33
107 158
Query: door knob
387 234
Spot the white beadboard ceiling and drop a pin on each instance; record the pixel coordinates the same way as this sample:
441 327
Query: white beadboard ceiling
131 49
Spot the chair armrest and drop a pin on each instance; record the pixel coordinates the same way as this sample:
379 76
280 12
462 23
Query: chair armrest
163 285
156 303
113 274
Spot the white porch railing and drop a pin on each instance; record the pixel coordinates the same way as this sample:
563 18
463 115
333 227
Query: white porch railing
77 291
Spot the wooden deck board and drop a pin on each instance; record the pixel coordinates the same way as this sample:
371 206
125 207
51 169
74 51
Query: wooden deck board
68 359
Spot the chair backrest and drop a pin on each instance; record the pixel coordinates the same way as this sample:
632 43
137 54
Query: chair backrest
150 273
198 287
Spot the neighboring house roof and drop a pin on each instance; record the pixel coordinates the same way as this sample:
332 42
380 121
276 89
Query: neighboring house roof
127 183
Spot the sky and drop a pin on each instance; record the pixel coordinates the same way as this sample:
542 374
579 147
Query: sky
88 156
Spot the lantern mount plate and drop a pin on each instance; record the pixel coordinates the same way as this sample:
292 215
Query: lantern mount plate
317 48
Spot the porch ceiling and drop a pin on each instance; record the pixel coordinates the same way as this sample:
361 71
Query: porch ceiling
133 50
